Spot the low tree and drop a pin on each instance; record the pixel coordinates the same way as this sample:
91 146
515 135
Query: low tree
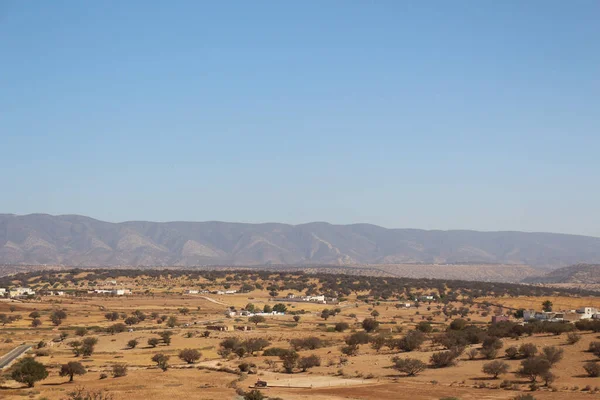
412 341
311 361
533 367
370 324
409 366
548 377
132 320
257 319
528 350
378 341
424 327
512 352
190 356
132 343
489 353
290 359
75 346
553 354
112 316
171 322
184 310
253 345
88 346
161 360
166 337
36 322
443 359
29 371
34 314
547 306
153 342
58 316
495 368
71 369
279 307
116 328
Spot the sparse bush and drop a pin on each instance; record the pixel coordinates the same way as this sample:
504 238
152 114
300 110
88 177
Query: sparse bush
253 395
119 370
443 359
573 337
311 361
81 331
274 351
472 353
83 394
592 368
341 326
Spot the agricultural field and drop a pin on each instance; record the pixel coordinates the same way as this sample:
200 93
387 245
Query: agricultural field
178 334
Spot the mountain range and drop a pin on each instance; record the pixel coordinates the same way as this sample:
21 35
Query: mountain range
75 240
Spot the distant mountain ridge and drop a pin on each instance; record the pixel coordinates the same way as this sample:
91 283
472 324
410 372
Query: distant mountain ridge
576 274
75 240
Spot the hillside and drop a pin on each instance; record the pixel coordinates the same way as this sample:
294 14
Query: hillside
574 274
81 241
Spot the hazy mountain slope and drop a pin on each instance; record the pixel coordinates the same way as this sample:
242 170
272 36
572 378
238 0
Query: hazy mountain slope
82 241
580 274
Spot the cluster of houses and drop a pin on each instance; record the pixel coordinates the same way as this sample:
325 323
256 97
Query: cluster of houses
321 299
222 328
218 292
244 313
17 292
569 316
111 292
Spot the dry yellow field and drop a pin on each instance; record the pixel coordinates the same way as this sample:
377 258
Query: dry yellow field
368 374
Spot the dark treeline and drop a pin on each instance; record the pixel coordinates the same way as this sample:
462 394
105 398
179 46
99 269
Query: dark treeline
335 285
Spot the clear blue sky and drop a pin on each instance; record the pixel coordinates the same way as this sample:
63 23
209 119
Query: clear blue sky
438 115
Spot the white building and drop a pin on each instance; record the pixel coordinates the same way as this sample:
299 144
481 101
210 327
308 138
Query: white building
21 291
587 312
2 292
191 291
116 292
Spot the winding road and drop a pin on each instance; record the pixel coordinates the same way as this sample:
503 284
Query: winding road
15 353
